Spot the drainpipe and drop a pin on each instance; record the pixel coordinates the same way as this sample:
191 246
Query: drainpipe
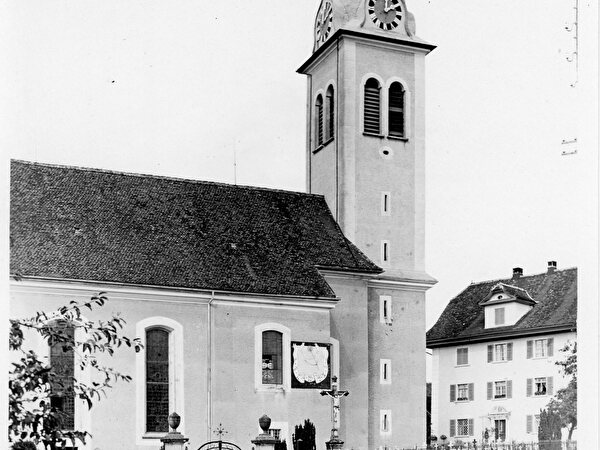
209 367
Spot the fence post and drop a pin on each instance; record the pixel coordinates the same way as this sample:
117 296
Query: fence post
173 440
264 441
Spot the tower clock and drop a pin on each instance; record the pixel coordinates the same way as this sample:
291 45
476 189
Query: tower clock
385 14
323 22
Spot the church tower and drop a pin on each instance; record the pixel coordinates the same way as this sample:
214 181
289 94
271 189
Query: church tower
366 155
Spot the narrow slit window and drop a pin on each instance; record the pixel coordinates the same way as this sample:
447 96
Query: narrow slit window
385 203
372 107
385 309
319 120
329 103
385 252
385 421
396 110
385 368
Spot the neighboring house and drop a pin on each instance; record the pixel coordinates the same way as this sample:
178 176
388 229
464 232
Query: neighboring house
494 353
248 300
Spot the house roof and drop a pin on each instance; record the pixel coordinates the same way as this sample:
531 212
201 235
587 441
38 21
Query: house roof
87 224
556 309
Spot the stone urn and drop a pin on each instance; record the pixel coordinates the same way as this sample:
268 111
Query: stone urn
265 423
175 420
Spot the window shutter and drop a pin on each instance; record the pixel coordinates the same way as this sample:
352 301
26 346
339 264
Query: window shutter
452 427
330 113
452 392
466 356
490 388
551 347
319 114
529 349
372 107
509 347
471 427
396 110
549 385
471 391
490 353
529 387
529 424
509 389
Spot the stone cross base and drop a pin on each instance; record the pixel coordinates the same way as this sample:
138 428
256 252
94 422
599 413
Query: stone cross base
334 444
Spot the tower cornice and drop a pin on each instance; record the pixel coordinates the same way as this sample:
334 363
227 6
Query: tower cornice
418 45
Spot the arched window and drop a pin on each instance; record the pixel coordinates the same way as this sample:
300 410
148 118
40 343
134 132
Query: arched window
372 107
329 108
157 380
272 357
396 110
319 120
62 361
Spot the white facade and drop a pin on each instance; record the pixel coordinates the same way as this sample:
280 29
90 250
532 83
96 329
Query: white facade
517 379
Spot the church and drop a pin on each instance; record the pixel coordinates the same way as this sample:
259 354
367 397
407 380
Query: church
250 300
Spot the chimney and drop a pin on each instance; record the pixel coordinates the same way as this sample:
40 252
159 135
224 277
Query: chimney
517 273
551 266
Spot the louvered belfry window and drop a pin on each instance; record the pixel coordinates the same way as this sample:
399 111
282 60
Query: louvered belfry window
319 117
372 115
157 380
62 361
330 114
272 355
396 110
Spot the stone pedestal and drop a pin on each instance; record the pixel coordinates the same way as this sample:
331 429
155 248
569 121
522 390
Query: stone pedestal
173 440
265 441
334 444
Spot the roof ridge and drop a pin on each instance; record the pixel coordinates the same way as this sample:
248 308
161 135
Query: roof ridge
165 177
502 280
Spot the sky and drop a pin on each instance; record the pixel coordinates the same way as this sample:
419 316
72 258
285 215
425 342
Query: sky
177 88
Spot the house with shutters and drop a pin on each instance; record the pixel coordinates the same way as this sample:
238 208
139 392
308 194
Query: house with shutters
494 350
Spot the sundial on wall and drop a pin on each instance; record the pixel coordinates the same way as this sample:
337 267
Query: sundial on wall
310 365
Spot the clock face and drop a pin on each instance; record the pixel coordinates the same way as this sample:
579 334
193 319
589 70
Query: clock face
324 22
386 14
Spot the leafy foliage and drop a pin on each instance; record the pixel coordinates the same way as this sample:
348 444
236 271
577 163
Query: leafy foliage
305 436
549 430
33 417
565 402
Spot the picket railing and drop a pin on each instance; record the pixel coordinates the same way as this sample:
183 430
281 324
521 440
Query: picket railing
542 445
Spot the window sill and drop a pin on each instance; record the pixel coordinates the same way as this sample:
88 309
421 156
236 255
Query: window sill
377 135
499 362
322 146
500 398
462 365
153 435
271 388
539 395
398 138
540 357
461 401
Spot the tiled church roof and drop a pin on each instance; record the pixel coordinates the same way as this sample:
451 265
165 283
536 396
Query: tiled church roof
463 318
86 224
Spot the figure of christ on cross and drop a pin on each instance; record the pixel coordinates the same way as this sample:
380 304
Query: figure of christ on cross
335 395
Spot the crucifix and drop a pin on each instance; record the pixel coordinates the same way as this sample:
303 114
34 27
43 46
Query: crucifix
335 395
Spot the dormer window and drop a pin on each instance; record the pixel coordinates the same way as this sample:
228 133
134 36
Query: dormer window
499 316
505 305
